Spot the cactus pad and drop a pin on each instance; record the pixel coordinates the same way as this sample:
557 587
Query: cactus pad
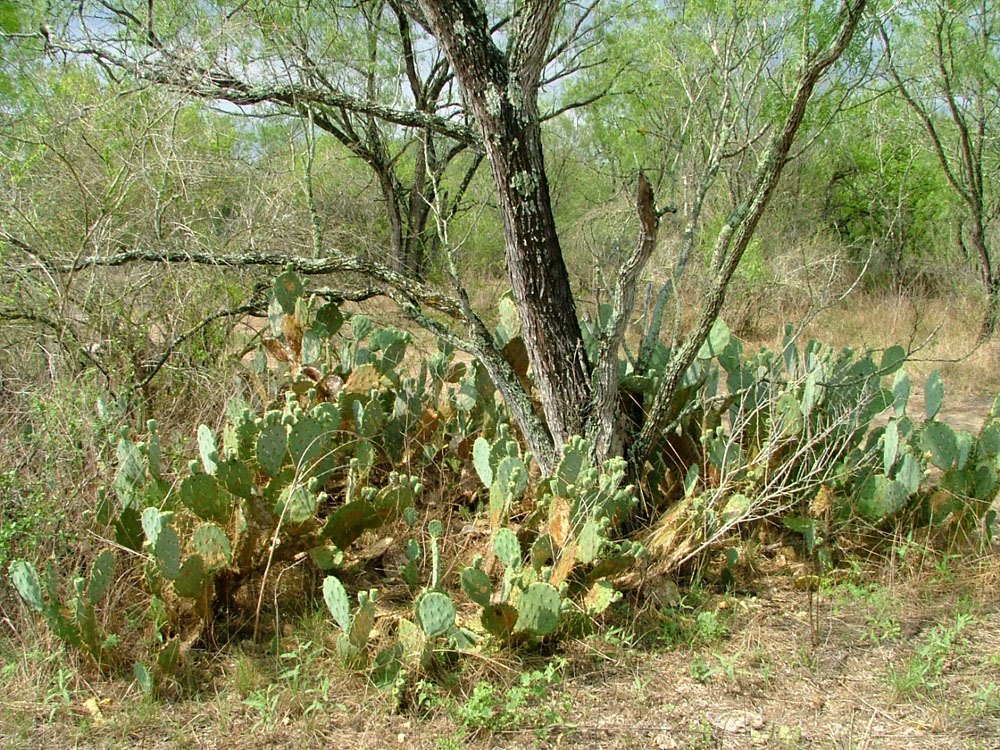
202 495
131 474
101 573
539 609
880 497
600 596
590 543
349 522
153 519
511 476
362 622
190 584
28 584
297 503
307 443
435 613
477 586
167 552
328 320
207 449
211 542
326 557
271 447
481 460
507 548
235 476
499 620
337 601
287 290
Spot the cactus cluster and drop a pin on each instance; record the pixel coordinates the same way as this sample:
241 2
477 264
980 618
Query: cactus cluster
352 644
77 622
503 471
572 553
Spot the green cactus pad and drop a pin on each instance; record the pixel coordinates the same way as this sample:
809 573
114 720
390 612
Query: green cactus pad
507 548
499 620
337 601
131 475
201 494
989 440
28 584
939 440
307 444
86 623
477 586
542 551
246 431
272 492
539 609
350 655
207 449
392 501
297 503
590 542
880 497
435 613
349 522
153 519
287 290
387 667
964 441
236 477
416 650
128 529
933 395
211 542
101 574
328 320
272 444
153 453
910 473
326 557
481 460
573 462
600 596
191 582
512 476
167 552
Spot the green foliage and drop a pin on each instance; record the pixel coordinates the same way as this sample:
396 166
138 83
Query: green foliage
308 475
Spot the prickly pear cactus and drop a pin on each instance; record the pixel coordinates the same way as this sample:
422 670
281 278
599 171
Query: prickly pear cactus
28 584
272 444
476 585
507 548
435 613
337 601
539 609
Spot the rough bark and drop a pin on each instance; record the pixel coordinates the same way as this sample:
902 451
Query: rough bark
501 91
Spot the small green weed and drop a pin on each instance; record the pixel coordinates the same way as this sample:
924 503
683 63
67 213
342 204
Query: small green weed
918 674
523 705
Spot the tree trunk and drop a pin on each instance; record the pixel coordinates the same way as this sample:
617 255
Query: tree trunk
502 94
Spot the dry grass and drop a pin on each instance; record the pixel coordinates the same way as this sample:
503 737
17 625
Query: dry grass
903 654
943 332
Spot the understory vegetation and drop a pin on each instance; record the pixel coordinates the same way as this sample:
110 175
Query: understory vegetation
455 374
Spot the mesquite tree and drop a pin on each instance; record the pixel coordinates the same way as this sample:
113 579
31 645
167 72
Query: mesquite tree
475 92
945 69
